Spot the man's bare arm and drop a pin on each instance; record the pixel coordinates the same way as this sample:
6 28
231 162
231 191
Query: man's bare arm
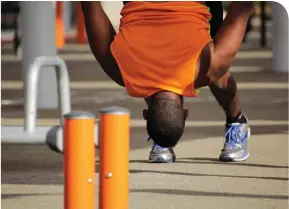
99 29
100 33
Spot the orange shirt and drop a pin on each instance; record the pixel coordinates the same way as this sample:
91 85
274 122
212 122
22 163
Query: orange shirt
158 46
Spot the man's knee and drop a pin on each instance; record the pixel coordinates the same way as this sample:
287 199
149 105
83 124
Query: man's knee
219 68
212 66
227 81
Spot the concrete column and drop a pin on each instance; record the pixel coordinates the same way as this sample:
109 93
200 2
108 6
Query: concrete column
280 38
38 39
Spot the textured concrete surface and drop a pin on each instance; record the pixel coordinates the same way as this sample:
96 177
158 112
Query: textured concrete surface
196 180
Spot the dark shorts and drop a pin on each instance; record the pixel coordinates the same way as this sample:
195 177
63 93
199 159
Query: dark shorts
216 10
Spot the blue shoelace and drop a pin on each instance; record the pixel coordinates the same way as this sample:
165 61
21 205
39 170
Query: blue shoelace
233 136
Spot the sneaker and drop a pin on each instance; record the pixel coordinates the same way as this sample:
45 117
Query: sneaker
236 142
160 154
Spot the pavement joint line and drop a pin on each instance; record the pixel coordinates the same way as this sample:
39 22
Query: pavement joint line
245 69
84 85
89 56
140 123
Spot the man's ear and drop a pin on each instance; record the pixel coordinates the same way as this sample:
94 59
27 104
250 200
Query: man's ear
186 114
145 114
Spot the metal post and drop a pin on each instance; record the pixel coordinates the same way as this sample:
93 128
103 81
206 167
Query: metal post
280 38
31 89
38 39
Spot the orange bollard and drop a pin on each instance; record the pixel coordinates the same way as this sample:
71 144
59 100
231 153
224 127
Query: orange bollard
59 30
80 27
79 160
114 158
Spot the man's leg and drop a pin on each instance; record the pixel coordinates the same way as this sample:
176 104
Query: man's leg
225 91
100 33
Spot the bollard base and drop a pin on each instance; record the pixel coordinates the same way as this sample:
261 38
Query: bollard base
54 139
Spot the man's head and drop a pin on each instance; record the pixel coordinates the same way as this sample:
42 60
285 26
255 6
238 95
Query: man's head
165 118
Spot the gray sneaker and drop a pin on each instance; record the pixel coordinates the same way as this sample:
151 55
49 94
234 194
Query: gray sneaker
236 142
160 154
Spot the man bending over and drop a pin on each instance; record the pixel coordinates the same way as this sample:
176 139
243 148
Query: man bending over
164 52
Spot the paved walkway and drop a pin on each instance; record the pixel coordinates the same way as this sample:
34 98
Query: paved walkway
196 180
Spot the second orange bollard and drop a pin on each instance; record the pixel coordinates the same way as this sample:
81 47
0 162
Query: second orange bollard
114 158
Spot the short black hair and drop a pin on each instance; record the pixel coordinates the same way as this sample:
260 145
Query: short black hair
165 121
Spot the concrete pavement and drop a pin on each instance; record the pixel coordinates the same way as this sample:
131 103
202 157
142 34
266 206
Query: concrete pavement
196 180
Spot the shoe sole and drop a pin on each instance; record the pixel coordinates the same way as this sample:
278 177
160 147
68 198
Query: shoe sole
224 159
162 160
241 159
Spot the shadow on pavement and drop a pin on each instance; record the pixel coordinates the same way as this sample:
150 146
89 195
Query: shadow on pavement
216 162
210 175
170 192
207 194
11 196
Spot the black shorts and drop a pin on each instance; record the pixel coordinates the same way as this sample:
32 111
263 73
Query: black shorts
216 10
